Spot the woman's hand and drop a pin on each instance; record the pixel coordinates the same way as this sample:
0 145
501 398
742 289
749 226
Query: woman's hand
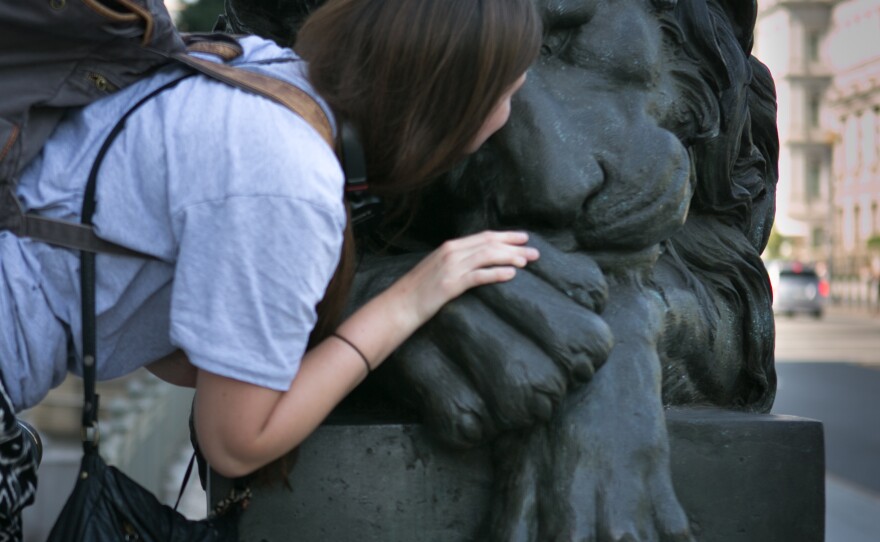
459 265
242 427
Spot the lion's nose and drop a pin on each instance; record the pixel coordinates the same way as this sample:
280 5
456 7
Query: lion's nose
550 171
646 194
603 169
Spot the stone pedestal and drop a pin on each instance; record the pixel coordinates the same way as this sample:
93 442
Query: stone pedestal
741 478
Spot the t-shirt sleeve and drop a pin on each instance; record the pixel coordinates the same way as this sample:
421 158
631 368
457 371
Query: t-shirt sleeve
249 274
259 221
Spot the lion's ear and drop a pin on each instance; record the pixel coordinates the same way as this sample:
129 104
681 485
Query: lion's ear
742 15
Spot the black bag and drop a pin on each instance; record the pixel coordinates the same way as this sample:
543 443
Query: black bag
107 506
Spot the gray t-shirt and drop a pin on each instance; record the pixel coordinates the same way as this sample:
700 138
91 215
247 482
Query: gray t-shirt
239 200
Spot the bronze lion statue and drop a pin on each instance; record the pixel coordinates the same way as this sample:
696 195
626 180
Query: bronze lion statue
641 156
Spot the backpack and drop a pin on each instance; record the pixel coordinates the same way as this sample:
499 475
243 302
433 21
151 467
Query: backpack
58 54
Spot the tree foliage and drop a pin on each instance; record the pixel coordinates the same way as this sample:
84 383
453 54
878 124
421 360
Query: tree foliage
199 15
774 245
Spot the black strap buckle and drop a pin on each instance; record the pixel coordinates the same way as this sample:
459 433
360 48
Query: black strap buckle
366 208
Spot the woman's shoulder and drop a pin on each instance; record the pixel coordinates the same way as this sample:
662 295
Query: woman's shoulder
257 119
268 58
243 144
204 141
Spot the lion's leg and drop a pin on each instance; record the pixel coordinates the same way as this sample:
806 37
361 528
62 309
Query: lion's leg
608 446
518 462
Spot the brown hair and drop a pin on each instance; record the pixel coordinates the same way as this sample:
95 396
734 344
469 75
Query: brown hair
417 78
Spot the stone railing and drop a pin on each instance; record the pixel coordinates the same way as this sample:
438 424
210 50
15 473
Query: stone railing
740 477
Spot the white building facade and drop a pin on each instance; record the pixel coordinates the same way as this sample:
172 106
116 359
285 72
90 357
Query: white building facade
825 59
790 37
853 101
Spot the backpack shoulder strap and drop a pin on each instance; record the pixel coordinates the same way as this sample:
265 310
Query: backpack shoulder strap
282 92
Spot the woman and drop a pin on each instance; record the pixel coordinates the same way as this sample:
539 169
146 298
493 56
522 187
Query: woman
240 204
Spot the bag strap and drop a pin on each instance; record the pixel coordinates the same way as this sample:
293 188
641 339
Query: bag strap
67 234
90 433
282 92
187 474
227 48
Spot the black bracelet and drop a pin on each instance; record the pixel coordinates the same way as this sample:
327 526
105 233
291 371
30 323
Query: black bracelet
355 348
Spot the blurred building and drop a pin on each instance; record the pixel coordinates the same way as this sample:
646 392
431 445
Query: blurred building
853 111
825 58
789 38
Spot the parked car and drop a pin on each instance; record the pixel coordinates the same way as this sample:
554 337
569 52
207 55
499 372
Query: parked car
797 289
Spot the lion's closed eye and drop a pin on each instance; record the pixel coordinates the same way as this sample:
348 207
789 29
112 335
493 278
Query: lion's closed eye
567 13
562 20
556 42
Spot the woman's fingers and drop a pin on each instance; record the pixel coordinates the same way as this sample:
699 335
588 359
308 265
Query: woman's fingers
461 264
488 236
490 255
488 249
491 275
483 258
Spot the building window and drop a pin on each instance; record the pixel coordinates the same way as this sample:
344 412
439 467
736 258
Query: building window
818 237
814 103
857 223
850 146
874 222
838 156
867 134
876 137
812 188
813 43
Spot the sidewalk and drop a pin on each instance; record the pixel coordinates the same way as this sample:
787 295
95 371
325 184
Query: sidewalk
850 309
851 513
849 334
844 334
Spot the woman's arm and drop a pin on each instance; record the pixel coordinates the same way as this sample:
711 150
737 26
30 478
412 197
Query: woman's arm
242 427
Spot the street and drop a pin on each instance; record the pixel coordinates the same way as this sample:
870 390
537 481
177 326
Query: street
829 370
